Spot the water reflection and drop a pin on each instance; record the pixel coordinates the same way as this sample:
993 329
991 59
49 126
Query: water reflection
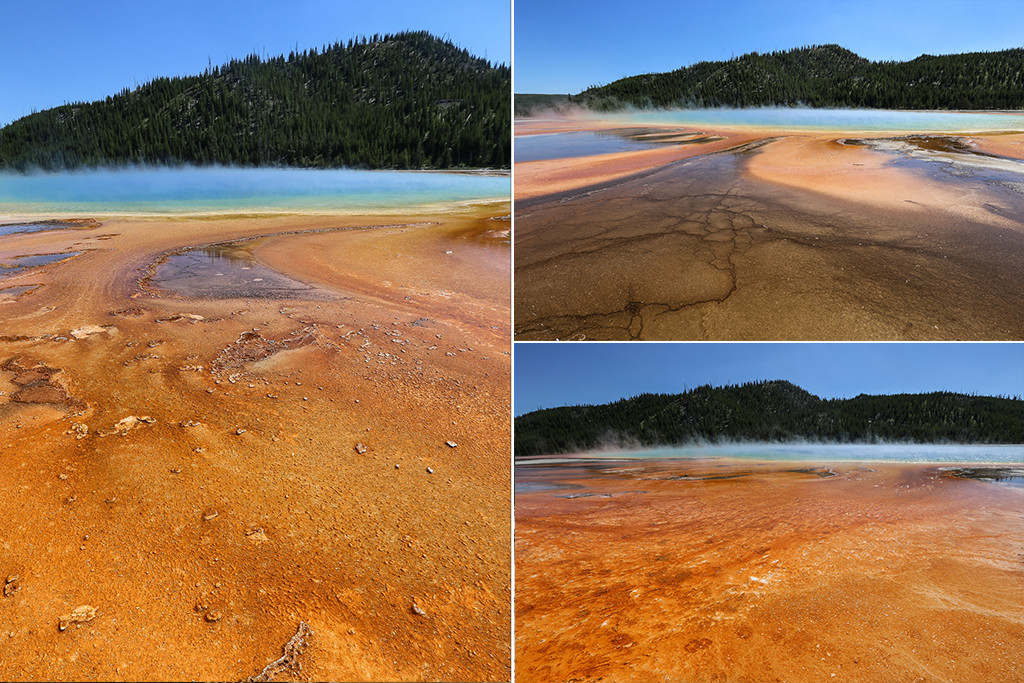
18 264
562 145
227 271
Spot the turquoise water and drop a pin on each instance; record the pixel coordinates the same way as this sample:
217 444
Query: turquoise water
215 189
914 453
840 120
572 144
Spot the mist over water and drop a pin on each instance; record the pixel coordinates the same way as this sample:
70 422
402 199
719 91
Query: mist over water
215 189
806 118
813 452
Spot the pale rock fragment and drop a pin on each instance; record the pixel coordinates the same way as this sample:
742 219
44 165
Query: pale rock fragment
79 615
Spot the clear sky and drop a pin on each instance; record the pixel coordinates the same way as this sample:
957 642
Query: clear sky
56 51
548 375
565 46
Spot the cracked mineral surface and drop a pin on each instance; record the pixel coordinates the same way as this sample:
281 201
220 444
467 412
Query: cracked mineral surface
778 236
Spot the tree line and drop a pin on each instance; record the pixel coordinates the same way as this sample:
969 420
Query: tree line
408 100
773 411
826 76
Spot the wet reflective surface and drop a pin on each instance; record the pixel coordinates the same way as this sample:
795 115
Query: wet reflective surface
704 570
18 264
225 272
701 249
590 143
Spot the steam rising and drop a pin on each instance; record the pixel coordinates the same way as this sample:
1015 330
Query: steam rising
217 188
802 118
612 446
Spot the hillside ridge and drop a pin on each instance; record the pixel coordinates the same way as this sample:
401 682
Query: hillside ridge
773 411
407 100
825 76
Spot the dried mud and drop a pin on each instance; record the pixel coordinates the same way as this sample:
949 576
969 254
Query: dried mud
710 571
182 468
781 237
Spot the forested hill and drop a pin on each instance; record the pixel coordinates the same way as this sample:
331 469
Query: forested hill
826 76
770 411
409 100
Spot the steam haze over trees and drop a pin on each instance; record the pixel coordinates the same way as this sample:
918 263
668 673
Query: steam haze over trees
826 76
771 411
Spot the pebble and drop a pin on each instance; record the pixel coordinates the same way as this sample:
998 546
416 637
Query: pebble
451 444
360 448
210 515
240 431
430 470
418 611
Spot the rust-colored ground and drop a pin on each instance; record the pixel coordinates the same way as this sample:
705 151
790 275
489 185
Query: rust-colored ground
883 573
769 235
210 473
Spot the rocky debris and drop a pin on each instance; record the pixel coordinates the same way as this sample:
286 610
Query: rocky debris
257 536
290 661
360 448
38 383
210 514
12 585
417 610
87 330
251 346
79 615
188 317
79 429
451 444
126 424
212 616
191 368
190 423
127 312
430 470
240 431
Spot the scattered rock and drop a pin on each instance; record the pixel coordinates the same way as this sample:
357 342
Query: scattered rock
126 424
62 476
430 470
210 515
257 536
451 444
212 616
240 431
79 430
190 423
360 448
79 615
12 585
190 317
86 330
417 610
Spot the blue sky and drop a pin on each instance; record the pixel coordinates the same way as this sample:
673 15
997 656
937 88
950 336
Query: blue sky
54 51
565 46
549 375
